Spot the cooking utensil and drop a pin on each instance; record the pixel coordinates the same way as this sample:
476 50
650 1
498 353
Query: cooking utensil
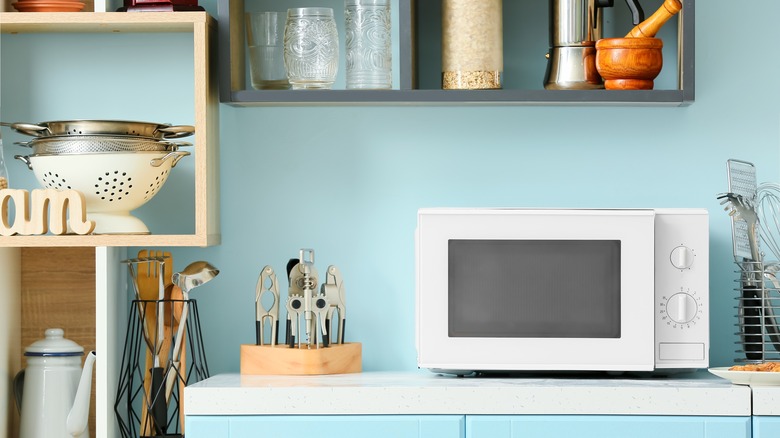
303 284
267 283
194 275
113 184
294 308
152 286
648 28
102 127
320 307
629 63
768 208
86 144
333 289
742 182
575 26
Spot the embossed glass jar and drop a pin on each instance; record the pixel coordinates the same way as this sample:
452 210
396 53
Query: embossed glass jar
311 48
368 41
472 44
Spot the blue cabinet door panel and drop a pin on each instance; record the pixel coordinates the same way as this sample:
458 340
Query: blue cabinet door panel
347 426
604 426
766 427
206 427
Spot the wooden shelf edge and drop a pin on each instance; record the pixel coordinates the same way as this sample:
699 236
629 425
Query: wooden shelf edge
39 22
109 240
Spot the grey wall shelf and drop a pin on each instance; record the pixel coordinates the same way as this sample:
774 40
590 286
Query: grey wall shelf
419 64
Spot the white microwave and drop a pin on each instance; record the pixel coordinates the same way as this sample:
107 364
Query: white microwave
501 290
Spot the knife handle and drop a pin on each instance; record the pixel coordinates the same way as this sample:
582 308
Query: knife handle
275 341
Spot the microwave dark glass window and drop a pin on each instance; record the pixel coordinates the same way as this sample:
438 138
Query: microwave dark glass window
534 288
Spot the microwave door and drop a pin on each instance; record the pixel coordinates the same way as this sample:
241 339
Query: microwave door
536 290
565 289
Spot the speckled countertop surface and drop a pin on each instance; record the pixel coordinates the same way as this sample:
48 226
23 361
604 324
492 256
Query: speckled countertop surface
427 393
766 400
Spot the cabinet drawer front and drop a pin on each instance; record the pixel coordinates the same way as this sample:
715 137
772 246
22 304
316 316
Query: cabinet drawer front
766 427
206 427
601 426
336 426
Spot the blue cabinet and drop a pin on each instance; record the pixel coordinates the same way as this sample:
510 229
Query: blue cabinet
607 426
324 426
480 426
766 427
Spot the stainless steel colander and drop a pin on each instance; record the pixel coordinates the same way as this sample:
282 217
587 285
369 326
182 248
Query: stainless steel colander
102 127
89 144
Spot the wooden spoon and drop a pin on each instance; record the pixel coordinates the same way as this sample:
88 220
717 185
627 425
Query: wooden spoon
651 26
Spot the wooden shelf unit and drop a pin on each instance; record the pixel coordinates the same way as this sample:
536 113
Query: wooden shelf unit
108 285
206 140
416 37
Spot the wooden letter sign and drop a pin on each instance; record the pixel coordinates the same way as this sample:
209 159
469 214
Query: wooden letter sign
35 218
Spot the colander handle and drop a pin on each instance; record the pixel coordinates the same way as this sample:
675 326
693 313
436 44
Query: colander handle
24 159
176 131
30 129
176 155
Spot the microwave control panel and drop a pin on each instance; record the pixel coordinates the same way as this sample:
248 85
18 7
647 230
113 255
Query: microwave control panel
682 288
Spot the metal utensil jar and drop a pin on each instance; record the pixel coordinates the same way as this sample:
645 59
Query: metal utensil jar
472 44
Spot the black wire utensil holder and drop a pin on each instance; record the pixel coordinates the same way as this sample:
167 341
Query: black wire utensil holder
758 307
149 400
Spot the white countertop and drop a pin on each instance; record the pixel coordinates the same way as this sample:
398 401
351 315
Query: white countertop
766 400
427 393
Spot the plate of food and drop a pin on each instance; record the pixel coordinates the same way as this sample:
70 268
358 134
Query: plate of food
763 374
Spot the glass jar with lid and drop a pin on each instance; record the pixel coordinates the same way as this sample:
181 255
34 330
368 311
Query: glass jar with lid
472 44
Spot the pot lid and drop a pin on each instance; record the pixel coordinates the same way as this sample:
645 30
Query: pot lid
54 344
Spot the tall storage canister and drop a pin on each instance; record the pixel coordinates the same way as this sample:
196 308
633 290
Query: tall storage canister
472 44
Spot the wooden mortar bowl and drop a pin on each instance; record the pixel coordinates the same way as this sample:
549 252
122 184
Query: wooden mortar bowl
629 63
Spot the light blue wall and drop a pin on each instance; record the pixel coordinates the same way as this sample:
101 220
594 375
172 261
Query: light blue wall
347 181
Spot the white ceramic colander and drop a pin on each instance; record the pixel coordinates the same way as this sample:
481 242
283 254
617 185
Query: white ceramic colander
113 183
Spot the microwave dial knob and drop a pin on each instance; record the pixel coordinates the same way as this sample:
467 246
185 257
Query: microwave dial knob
682 257
682 308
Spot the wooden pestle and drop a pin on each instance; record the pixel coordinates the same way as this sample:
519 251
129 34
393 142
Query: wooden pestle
651 26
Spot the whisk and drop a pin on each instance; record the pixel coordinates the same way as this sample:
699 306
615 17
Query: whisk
768 210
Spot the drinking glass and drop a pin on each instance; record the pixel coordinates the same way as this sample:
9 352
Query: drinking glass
311 48
368 44
265 38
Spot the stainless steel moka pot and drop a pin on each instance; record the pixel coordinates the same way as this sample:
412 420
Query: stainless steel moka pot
575 26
